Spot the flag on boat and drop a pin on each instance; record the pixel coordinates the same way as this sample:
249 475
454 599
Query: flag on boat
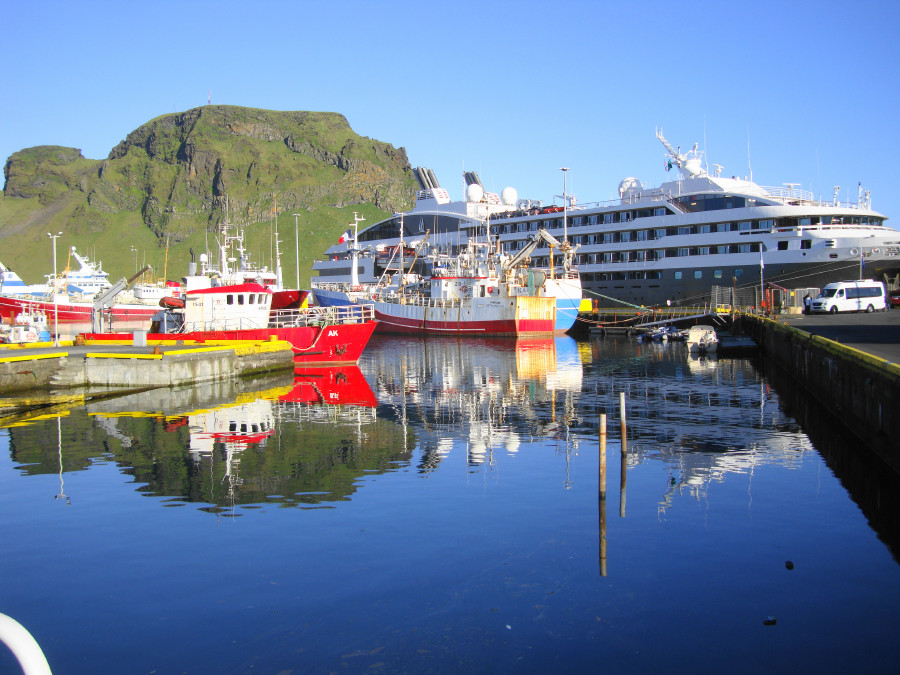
344 237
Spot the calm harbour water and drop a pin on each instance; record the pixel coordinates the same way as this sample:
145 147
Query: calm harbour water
439 509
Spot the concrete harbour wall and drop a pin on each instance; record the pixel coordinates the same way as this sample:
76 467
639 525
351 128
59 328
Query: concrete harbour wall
859 389
137 367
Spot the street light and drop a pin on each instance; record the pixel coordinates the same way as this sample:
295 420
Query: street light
762 285
134 250
565 197
297 249
54 237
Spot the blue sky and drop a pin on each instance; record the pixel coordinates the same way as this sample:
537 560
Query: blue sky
513 90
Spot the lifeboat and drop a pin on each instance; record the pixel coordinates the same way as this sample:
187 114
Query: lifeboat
168 302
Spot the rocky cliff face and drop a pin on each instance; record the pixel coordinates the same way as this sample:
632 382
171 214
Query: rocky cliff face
180 173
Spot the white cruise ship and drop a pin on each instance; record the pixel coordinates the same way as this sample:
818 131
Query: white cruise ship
688 241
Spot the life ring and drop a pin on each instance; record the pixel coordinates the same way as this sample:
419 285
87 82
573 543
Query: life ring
30 336
854 251
876 251
490 290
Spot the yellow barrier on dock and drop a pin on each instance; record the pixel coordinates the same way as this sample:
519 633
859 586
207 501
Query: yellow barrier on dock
240 348
32 357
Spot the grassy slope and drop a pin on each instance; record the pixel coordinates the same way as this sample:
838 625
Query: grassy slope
97 203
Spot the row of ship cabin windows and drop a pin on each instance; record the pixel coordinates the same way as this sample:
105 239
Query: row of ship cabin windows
677 275
582 221
659 254
656 233
651 234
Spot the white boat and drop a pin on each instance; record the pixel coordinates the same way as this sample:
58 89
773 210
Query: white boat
438 227
27 327
474 292
68 297
702 238
702 339
87 280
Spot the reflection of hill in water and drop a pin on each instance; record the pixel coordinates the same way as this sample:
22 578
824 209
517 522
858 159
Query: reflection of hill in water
480 394
276 440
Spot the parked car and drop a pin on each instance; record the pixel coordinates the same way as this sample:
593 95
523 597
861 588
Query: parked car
894 298
863 295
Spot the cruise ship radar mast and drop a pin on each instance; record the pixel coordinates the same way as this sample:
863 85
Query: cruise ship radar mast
690 164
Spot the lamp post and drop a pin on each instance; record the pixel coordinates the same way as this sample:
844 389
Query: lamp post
565 197
762 286
134 250
54 237
297 249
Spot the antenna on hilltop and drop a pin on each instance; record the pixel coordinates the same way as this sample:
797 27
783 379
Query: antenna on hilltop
208 96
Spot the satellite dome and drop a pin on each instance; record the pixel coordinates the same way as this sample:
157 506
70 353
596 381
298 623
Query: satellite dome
509 196
474 193
628 184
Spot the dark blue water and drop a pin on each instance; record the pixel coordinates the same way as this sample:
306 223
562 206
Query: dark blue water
440 510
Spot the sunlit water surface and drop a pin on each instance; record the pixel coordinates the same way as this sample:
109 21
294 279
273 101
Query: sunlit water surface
443 508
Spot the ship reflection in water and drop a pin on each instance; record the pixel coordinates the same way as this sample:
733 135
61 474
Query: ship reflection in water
478 396
442 507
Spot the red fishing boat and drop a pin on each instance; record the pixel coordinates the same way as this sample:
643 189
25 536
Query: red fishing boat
318 335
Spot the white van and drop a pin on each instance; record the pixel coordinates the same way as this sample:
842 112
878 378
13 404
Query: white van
865 295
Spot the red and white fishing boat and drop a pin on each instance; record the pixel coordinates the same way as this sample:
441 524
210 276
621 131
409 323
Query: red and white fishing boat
473 293
70 296
318 335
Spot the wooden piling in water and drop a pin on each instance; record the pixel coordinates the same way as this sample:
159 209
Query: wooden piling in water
624 454
602 495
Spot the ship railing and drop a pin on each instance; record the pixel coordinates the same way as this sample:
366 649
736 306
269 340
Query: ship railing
418 300
321 316
325 414
230 324
337 286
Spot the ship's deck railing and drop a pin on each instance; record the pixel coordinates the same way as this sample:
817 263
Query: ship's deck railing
418 300
236 323
337 286
782 193
321 316
288 318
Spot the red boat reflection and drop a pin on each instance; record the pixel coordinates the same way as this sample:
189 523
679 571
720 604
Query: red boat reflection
330 385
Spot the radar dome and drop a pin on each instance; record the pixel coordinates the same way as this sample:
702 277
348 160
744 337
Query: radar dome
628 184
474 193
509 196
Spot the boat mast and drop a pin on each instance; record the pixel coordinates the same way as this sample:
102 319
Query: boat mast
278 281
565 198
402 281
354 252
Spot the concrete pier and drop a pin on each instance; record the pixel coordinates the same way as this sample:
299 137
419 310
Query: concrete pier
51 375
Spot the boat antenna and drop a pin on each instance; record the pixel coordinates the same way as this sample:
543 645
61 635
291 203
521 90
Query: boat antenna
749 167
705 147
565 198
354 255
278 275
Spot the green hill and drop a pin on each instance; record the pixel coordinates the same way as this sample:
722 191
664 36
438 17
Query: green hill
172 182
